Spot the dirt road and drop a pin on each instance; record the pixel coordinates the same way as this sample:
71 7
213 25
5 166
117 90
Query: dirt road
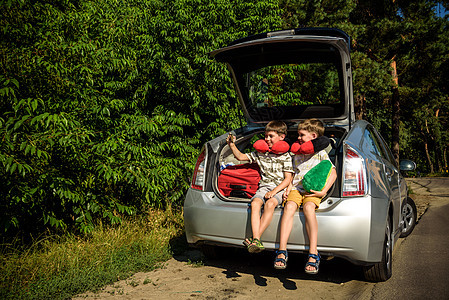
245 276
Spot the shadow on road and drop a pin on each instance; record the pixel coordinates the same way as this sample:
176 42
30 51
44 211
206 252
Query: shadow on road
234 262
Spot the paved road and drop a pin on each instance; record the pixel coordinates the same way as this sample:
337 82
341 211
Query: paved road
421 262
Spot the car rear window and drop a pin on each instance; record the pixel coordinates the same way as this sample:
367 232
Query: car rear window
289 81
293 84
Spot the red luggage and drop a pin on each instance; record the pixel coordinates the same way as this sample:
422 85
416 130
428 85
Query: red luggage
239 181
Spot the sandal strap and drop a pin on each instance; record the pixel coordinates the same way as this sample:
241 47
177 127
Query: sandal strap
282 252
248 241
315 264
258 243
282 260
312 264
317 256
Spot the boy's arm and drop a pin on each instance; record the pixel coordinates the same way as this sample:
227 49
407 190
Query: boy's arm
288 190
330 181
287 180
237 154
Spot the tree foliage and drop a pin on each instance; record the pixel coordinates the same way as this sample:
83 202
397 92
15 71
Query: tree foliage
106 103
410 34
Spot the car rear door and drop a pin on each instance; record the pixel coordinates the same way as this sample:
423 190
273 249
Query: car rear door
398 188
293 75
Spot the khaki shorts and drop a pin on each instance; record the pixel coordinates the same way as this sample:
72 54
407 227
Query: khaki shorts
261 191
299 199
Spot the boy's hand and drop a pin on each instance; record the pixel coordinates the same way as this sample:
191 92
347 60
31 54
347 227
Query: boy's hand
286 192
230 139
269 195
318 194
237 154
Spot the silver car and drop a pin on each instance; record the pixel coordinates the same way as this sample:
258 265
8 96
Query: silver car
293 75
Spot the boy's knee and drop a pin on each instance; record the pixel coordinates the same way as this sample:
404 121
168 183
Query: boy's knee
256 203
271 203
309 208
290 207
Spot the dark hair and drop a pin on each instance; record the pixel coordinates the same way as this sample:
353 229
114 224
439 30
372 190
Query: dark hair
277 126
312 125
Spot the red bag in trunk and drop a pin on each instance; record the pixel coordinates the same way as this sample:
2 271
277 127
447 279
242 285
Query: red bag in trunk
239 181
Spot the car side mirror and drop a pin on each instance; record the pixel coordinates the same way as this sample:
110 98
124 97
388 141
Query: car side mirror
407 165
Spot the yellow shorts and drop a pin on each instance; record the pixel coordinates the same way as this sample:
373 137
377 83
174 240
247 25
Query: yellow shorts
299 199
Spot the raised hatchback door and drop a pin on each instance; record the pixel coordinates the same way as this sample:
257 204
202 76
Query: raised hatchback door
293 75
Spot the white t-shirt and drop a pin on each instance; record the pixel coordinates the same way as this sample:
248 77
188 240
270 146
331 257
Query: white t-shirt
302 163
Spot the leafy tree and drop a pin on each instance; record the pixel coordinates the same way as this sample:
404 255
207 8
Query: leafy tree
411 112
106 103
422 54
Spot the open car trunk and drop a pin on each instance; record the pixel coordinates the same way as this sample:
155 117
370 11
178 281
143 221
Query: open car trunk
238 181
289 75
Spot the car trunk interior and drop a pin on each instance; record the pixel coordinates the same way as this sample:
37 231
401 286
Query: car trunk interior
225 158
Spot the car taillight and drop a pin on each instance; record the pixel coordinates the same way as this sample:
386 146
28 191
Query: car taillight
198 173
354 174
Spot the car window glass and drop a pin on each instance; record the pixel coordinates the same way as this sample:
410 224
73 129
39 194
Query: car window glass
374 144
290 80
294 84
369 143
386 151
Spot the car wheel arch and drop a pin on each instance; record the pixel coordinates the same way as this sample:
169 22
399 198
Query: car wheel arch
382 270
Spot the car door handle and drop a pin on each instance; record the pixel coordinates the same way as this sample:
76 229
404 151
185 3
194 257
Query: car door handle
389 173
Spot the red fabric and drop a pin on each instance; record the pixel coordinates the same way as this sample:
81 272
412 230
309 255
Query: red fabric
296 146
239 181
306 148
280 147
261 146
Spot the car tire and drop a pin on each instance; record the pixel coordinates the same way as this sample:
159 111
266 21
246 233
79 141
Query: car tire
409 216
382 270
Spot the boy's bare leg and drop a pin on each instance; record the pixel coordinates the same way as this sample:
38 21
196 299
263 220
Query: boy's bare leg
256 206
286 227
312 229
267 215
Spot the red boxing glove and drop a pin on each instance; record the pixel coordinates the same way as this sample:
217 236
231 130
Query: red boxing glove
280 147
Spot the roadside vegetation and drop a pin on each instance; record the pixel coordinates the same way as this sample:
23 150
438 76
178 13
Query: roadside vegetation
106 104
60 266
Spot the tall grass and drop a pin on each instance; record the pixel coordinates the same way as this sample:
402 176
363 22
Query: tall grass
62 266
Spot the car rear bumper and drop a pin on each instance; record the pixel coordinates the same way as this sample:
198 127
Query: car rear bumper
344 227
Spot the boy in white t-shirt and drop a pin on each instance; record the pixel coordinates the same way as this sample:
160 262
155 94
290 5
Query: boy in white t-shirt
295 195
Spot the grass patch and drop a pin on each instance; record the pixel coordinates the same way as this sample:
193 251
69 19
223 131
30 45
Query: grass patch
443 173
63 266
195 264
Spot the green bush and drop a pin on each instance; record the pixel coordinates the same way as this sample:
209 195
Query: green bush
106 103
